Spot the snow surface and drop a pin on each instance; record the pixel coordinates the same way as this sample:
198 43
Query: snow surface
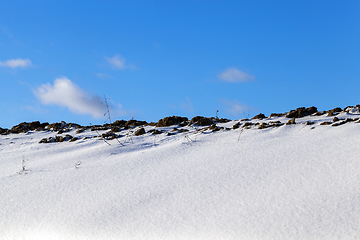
289 182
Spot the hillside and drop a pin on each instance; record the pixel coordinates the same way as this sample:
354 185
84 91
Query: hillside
288 176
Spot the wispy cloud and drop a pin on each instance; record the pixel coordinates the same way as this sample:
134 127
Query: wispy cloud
119 62
235 108
16 63
103 75
187 105
67 94
235 75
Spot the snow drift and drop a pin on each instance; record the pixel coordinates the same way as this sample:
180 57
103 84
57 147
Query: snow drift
294 181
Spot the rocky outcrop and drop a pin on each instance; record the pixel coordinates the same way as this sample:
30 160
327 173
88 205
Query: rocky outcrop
301 112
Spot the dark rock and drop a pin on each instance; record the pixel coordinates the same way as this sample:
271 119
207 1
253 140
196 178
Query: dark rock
139 132
108 135
309 123
59 139
73 139
135 123
3 131
115 129
155 132
54 126
277 115
44 140
119 123
168 121
201 121
222 120
183 124
80 130
301 112
247 124
334 111
263 125
236 125
325 123
291 121
318 113
98 128
335 119
214 128
183 130
259 116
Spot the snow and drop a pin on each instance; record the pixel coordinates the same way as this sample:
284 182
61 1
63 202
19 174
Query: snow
289 182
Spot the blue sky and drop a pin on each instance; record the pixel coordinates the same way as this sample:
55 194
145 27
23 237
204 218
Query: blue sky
154 59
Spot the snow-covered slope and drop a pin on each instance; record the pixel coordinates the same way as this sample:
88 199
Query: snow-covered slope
290 182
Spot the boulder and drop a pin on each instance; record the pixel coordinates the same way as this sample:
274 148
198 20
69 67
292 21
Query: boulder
139 132
201 121
259 116
291 121
334 111
169 121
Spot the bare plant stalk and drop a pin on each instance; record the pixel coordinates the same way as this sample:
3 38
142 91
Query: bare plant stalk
100 135
128 136
242 129
188 139
109 118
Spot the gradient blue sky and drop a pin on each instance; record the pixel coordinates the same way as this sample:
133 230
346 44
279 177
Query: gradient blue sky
159 58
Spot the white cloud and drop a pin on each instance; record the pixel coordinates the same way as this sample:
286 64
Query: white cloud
119 62
235 75
103 75
15 63
235 108
67 94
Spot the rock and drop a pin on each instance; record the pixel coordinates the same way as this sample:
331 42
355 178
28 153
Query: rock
236 125
135 123
25 127
263 125
73 139
139 132
223 120
214 128
335 119
168 121
247 124
291 121
3 131
108 135
259 116
334 111
301 112
318 113
201 121
98 128
115 129
44 140
155 132
325 123
119 123
277 115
